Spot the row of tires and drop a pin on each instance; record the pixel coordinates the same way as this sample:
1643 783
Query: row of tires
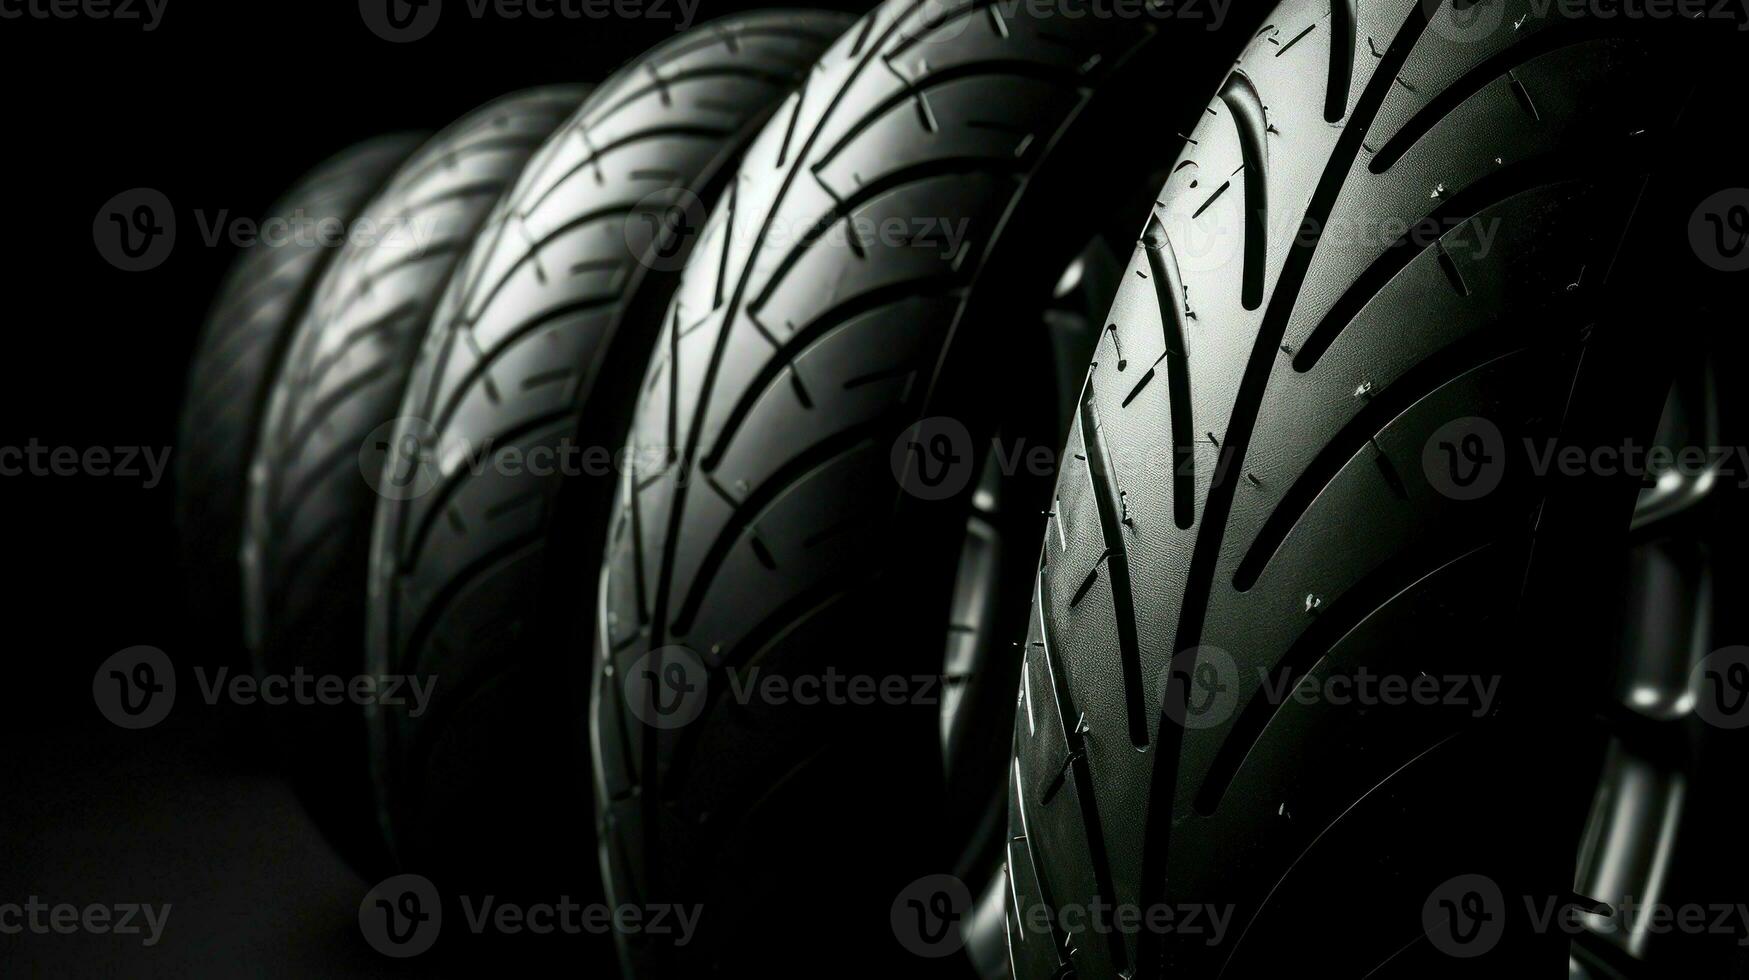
638 409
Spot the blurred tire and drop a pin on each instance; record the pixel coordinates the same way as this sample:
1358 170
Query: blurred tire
871 291
529 372
236 360
318 466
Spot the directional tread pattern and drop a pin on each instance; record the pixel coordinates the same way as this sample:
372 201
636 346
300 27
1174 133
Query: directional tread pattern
310 500
807 335
1292 368
240 348
537 349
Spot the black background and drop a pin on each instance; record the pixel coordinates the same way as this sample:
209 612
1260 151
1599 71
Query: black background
221 108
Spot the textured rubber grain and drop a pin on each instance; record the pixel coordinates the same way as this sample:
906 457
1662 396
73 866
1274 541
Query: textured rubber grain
538 349
314 480
235 361
826 310
1384 225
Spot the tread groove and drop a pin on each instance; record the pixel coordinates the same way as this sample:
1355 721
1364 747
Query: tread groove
1429 375
1075 737
1468 202
1169 292
1107 496
1487 72
1397 576
1245 107
1343 21
1199 580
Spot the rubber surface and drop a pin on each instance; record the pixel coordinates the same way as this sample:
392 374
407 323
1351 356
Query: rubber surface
882 258
530 371
1401 249
235 361
317 473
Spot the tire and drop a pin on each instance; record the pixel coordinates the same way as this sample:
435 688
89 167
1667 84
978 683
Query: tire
771 539
1270 486
235 361
538 348
316 475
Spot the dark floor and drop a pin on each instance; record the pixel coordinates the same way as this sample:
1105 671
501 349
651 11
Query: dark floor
176 814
